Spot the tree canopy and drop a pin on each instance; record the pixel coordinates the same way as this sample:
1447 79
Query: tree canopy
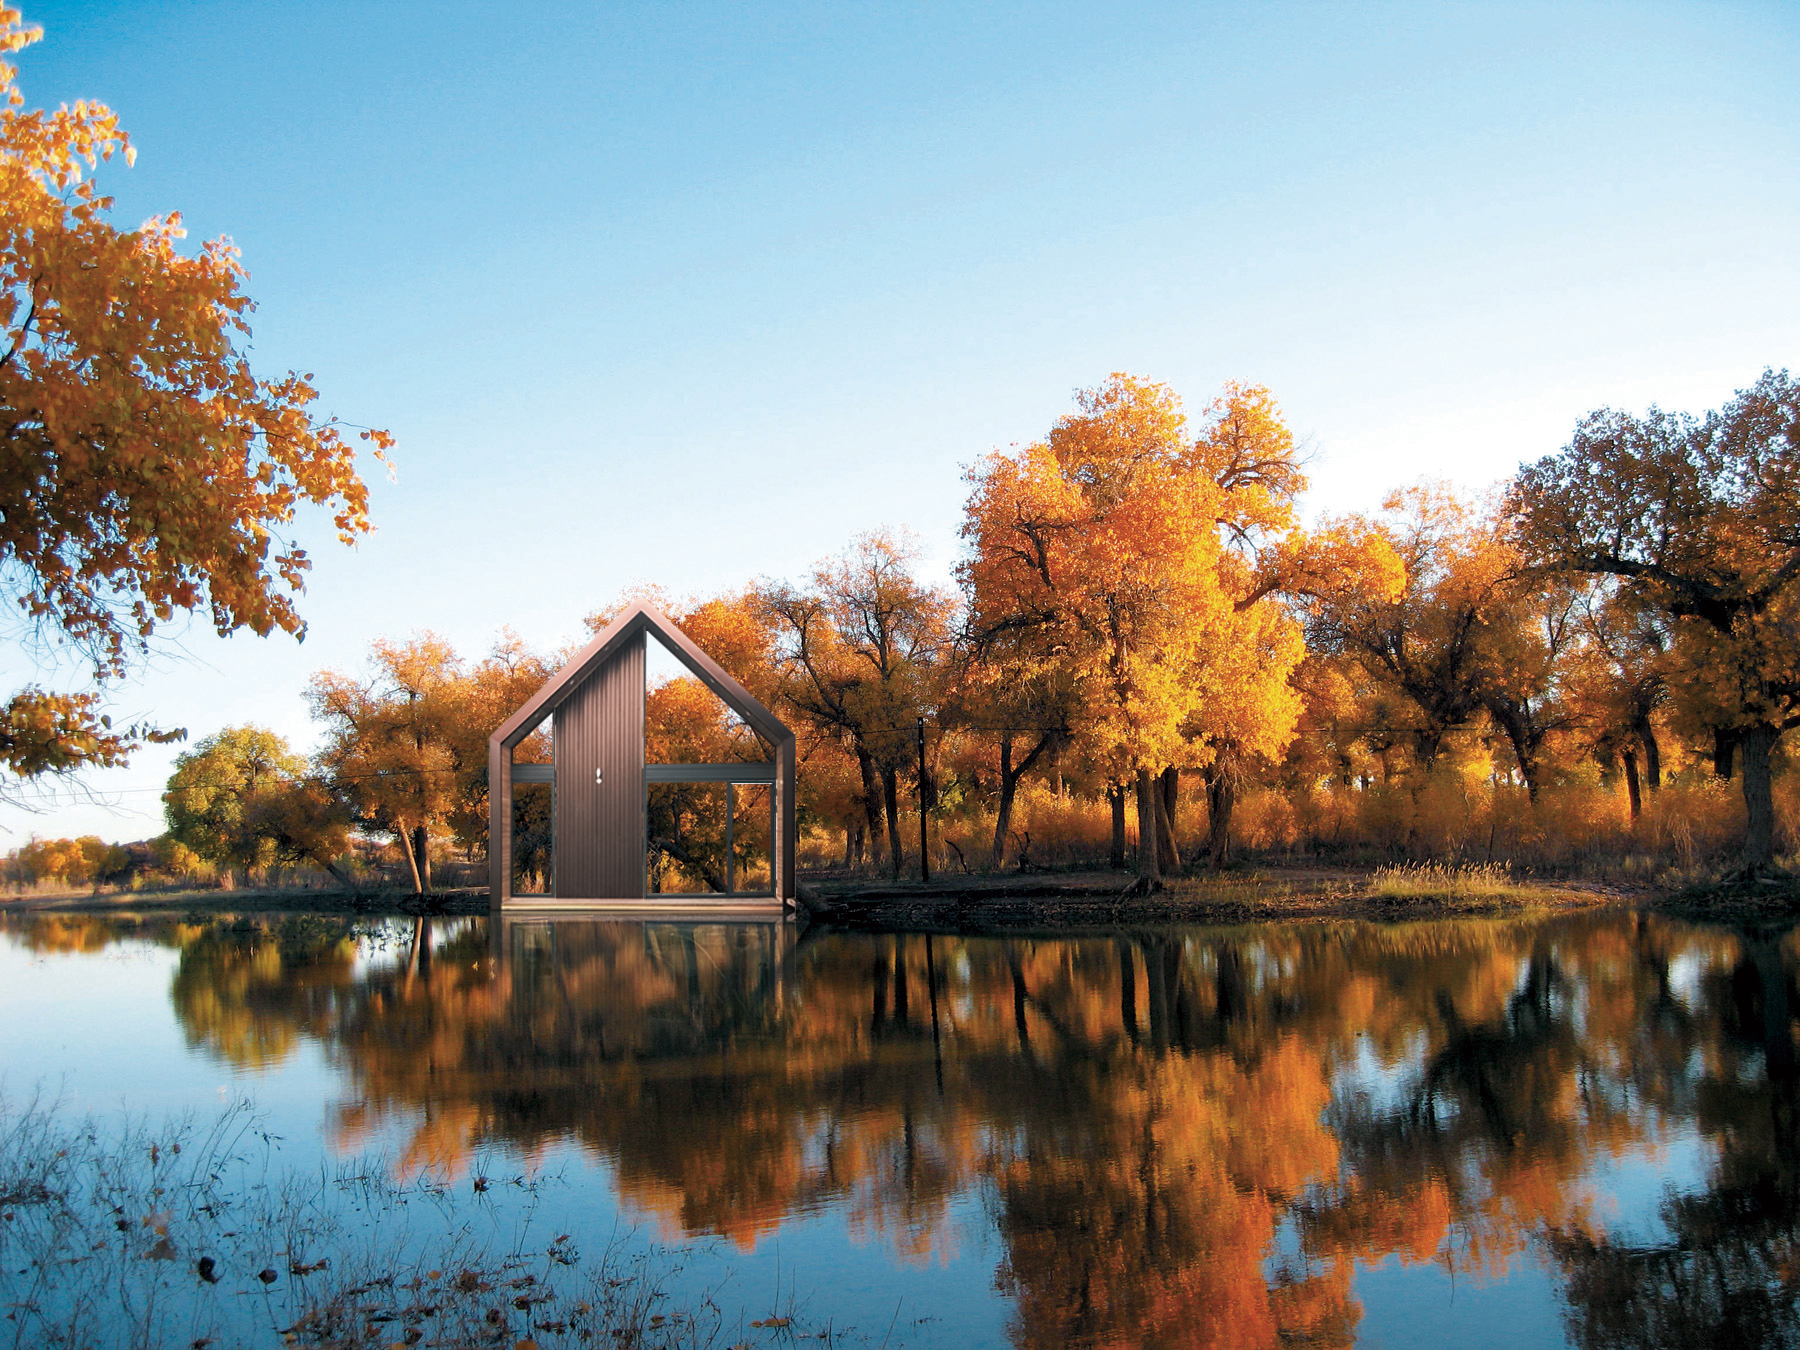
148 470
1699 519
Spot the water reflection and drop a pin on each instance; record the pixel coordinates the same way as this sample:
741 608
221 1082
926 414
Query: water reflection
1182 1137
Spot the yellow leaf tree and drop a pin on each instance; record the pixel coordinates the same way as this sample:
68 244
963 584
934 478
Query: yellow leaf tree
1142 571
147 469
1095 554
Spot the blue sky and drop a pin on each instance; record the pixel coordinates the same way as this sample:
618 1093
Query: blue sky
692 293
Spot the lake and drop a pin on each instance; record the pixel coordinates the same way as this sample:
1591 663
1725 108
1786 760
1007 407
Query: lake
1577 1129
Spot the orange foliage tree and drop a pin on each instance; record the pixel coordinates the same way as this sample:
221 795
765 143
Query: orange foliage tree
1093 557
1470 635
391 740
861 654
1140 570
1699 518
147 469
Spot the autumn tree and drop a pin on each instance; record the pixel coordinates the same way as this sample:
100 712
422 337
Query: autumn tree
1025 707
1618 682
148 470
1470 635
1698 518
859 651
242 798
468 706
69 861
1143 571
391 741
1094 556
1270 569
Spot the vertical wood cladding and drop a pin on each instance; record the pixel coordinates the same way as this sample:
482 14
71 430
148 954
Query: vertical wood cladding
500 823
600 826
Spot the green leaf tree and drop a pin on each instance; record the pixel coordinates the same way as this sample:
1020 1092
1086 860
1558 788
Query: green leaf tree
241 798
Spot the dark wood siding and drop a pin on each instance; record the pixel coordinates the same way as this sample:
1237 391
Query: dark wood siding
600 828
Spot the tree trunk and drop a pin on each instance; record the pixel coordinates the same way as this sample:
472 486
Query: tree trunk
337 874
1149 856
1115 797
902 999
404 840
1758 743
1646 735
871 797
1010 778
1629 757
1156 993
890 793
421 938
422 874
1725 743
1516 721
1166 855
849 839
1020 996
1009 785
1221 796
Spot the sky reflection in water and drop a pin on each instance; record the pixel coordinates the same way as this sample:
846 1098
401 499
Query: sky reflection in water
1578 1129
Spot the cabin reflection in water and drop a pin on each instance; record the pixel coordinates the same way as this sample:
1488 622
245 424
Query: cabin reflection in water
612 989
1174 1137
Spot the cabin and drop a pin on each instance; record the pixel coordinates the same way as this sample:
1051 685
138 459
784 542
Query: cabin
604 829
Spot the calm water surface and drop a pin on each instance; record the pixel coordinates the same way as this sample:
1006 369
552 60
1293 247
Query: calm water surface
1574 1130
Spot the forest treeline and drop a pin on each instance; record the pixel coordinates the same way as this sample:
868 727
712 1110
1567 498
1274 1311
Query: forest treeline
1147 655
1148 658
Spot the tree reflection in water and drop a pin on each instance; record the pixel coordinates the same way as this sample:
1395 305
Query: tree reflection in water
1185 1137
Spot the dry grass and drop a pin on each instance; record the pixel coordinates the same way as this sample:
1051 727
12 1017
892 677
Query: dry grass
1578 827
1471 884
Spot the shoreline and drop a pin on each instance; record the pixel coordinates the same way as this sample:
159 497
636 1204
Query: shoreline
1035 902
1078 901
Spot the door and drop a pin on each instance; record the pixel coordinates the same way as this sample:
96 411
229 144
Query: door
599 807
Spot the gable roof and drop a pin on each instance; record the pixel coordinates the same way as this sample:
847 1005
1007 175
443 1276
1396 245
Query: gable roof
637 620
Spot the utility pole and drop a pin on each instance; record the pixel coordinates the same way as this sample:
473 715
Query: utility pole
924 841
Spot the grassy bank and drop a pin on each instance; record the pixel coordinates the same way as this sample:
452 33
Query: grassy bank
1101 899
